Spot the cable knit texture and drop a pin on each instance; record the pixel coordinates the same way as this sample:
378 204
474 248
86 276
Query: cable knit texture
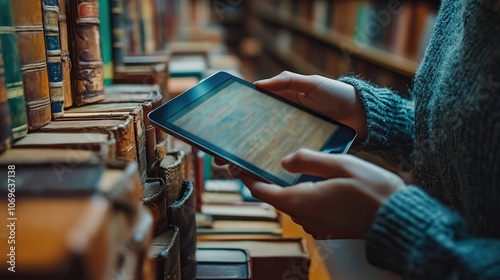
448 227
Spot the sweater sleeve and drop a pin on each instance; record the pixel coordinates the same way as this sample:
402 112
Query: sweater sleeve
390 120
419 238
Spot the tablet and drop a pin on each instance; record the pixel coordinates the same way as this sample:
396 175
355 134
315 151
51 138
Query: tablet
250 127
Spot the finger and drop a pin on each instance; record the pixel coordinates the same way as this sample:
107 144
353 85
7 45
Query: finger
320 164
291 81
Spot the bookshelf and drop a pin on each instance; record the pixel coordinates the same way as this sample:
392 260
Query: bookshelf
312 37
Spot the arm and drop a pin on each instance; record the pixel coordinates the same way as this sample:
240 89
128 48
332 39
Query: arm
390 120
428 241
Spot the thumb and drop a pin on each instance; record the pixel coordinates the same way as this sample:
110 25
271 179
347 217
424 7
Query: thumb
320 164
290 81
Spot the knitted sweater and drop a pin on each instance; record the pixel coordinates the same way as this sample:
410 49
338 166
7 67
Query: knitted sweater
448 226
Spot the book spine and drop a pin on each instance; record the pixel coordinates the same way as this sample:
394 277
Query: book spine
86 58
54 63
132 27
106 39
65 61
5 132
13 75
31 42
117 19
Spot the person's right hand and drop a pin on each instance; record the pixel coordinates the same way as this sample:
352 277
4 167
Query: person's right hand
333 99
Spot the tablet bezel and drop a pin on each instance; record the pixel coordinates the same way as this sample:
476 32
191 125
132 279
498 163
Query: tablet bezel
338 143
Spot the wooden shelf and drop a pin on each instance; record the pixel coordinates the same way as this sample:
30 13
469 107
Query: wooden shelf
334 39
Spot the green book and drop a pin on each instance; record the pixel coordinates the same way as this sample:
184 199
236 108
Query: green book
5 127
106 40
13 75
361 32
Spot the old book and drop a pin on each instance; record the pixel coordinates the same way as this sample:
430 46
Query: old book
132 27
134 254
122 128
54 62
177 85
271 259
155 199
223 263
86 58
165 255
118 109
183 215
235 227
106 40
118 26
153 74
242 211
146 23
5 123
65 61
13 75
102 143
172 171
30 39
82 233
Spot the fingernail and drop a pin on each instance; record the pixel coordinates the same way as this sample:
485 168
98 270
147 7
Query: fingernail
260 81
287 158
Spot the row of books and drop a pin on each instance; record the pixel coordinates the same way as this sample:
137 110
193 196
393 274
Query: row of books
401 27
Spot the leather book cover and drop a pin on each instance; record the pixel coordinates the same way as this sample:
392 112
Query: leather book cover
31 43
172 171
87 77
5 123
111 109
154 74
136 263
118 23
121 127
54 63
155 199
165 255
13 74
132 27
103 144
146 23
79 240
183 215
223 263
65 61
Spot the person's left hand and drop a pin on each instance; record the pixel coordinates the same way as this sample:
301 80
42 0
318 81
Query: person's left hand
342 206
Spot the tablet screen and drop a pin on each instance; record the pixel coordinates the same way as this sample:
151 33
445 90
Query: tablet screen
253 126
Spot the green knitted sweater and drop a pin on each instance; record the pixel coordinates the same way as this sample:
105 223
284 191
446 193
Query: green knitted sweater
448 226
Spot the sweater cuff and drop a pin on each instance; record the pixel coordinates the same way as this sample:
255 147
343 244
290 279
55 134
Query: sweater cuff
409 232
389 118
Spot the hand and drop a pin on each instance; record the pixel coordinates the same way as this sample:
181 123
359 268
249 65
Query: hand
333 99
342 206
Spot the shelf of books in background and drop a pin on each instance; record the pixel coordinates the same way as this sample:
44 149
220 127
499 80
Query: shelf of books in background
77 81
382 41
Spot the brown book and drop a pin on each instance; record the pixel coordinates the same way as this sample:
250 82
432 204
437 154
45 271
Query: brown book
103 144
122 128
118 109
172 171
271 259
154 74
5 122
134 254
183 215
165 254
66 63
31 42
86 60
223 263
155 199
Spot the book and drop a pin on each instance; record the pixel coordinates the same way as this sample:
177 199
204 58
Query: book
132 27
147 32
111 110
237 227
87 77
172 171
54 62
184 216
106 40
271 259
65 61
13 75
155 199
242 211
118 32
104 144
165 254
122 128
5 123
154 74
222 263
31 43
